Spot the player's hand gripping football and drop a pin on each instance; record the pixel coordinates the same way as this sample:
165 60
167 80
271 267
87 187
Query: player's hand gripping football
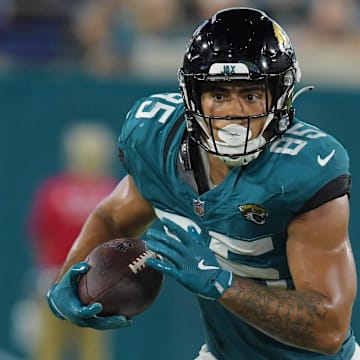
64 302
190 261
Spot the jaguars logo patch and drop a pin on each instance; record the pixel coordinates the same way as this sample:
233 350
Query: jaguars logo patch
254 213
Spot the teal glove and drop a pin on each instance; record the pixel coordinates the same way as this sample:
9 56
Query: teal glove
64 302
190 261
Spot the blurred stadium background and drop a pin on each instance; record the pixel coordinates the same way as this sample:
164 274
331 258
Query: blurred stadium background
66 61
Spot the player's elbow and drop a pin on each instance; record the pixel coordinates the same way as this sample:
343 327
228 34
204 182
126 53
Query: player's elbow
331 340
333 329
331 344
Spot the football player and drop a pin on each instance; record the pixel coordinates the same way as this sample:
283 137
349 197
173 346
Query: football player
253 201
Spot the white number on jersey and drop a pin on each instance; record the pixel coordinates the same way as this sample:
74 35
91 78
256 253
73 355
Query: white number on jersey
222 245
151 108
295 140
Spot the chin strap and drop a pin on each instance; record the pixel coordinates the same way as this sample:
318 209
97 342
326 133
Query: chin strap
238 161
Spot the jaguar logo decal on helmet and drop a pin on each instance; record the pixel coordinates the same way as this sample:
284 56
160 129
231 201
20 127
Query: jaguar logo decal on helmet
282 38
254 213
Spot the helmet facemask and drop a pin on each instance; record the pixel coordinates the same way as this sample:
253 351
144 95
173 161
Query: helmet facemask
234 144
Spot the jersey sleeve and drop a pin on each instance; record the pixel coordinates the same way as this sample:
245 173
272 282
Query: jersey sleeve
126 130
318 170
335 188
146 129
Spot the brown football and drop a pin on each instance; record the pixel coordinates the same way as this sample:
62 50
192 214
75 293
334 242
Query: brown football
119 279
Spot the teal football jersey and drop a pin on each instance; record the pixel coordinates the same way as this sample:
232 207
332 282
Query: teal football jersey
244 219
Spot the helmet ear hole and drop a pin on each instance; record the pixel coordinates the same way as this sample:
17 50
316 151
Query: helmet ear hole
288 79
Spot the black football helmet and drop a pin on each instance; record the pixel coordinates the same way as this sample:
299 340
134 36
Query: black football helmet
239 44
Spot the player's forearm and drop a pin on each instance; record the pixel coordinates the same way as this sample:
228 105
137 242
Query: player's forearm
97 229
297 318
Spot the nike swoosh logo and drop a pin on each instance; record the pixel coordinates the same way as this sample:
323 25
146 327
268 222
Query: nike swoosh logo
202 266
323 161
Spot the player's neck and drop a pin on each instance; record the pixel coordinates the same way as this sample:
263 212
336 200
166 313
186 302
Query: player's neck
218 170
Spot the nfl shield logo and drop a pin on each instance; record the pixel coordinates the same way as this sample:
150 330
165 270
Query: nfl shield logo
199 207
